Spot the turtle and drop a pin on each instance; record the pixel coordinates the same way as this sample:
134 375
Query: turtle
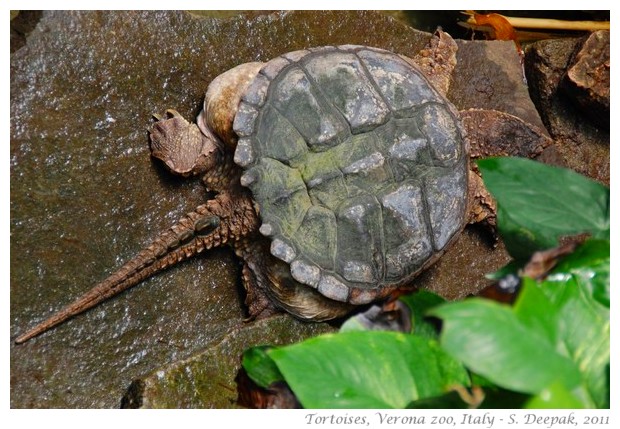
339 172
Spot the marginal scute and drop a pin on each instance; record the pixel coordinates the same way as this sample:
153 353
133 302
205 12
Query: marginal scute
351 48
273 67
333 288
266 229
244 154
305 273
245 119
363 296
358 165
295 56
282 250
248 178
257 91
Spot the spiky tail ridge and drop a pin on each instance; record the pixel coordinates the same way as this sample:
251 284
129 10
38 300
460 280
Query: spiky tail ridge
209 225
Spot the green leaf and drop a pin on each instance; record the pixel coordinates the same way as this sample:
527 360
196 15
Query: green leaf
583 331
492 341
521 238
538 203
451 400
536 311
260 367
579 288
420 303
555 396
370 369
589 266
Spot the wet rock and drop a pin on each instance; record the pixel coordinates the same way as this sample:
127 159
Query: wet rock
206 380
488 75
461 271
22 23
503 134
579 144
587 79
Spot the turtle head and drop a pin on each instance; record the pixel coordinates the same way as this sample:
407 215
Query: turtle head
195 149
182 146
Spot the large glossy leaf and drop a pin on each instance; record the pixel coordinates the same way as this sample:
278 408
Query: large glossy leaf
367 369
538 203
492 341
420 303
578 289
554 396
553 343
589 266
260 367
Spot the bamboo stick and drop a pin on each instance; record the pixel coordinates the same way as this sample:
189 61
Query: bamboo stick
548 24
557 24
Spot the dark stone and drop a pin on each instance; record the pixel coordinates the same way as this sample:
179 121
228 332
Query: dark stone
579 144
587 79
489 75
22 23
503 135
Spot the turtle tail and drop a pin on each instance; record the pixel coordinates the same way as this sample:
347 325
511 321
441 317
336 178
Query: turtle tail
199 230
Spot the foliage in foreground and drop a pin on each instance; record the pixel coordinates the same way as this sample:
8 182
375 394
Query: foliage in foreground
549 350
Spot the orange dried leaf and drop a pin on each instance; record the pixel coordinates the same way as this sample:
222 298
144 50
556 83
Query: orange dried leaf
501 27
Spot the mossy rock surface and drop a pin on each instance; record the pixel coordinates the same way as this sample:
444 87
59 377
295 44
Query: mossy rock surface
207 380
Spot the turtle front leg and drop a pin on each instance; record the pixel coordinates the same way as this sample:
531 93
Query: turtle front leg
255 279
482 206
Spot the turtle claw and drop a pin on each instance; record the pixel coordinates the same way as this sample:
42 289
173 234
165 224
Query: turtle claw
171 113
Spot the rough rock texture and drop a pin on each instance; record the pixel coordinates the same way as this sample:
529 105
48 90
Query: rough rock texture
587 79
85 196
22 23
580 144
488 75
207 380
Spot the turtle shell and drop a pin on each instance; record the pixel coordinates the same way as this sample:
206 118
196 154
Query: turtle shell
358 167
